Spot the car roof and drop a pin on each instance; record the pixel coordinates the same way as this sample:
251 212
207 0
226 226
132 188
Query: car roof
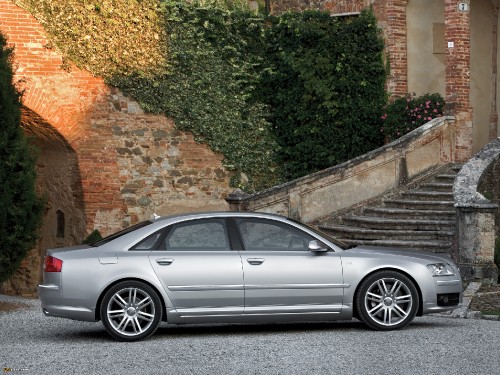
210 214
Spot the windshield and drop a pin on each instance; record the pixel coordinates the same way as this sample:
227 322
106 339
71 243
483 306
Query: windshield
337 242
120 233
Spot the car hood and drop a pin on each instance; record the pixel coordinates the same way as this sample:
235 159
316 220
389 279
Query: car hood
415 254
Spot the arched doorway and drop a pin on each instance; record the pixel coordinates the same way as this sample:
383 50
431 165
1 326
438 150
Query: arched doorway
59 183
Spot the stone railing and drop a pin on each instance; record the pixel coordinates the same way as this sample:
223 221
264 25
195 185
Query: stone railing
475 191
359 180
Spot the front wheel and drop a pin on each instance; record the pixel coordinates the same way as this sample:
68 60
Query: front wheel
387 300
131 311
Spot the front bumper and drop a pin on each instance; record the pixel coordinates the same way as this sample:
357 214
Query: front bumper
448 295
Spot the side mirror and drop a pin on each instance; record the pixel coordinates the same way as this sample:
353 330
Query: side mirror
317 246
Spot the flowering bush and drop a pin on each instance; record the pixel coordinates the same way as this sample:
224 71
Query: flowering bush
409 112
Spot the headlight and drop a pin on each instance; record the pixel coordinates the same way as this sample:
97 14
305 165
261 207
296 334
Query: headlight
441 269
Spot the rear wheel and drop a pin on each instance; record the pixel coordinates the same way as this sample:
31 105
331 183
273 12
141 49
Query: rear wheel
387 300
131 311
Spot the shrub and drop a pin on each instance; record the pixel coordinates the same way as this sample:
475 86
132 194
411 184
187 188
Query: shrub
20 208
409 112
325 88
92 237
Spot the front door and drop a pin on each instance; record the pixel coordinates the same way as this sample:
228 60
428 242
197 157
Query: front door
282 276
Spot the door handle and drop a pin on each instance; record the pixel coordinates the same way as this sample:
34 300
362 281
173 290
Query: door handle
255 261
164 261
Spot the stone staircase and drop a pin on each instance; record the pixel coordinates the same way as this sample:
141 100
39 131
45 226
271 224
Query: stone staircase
420 216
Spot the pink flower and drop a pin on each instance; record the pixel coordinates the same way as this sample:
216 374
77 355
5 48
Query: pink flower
419 116
435 110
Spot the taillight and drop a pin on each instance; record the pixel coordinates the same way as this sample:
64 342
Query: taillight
52 264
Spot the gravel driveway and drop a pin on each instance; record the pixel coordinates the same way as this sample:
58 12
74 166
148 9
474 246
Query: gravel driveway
34 344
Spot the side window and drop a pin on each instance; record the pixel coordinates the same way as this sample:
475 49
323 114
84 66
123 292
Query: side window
198 235
270 235
148 242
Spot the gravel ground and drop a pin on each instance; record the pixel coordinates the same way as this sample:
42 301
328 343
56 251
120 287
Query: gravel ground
33 344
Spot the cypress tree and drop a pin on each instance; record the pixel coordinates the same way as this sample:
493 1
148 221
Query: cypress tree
20 207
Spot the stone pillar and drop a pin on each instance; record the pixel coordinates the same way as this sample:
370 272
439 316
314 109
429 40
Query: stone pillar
476 241
294 206
236 200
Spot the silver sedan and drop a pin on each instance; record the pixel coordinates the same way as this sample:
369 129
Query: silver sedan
240 267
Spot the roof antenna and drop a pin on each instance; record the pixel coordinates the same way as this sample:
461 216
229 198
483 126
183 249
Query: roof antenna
155 217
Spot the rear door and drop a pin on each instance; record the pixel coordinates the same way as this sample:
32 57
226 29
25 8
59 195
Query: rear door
198 269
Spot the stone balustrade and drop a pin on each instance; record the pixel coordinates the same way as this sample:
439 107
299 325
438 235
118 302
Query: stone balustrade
358 181
477 193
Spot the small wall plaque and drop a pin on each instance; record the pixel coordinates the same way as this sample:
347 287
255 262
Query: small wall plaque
463 7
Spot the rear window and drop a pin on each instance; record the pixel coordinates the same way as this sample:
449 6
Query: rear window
121 233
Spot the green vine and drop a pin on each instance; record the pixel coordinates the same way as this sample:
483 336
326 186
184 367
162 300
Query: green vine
279 97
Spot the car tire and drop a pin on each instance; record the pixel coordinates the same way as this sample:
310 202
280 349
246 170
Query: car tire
131 311
387 300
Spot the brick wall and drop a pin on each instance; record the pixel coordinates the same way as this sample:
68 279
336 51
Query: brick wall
117 145
124 164
457 70
393 18
63 98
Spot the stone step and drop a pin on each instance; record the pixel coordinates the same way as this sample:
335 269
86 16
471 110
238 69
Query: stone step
450 177
428 195
400 224
419 204
438 186
405 213
431 246
423 218
350 232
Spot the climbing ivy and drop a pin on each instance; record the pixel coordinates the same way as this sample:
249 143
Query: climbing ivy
215 59
279 97
105 36
325 87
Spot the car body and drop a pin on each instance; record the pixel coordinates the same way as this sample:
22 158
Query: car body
240 267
